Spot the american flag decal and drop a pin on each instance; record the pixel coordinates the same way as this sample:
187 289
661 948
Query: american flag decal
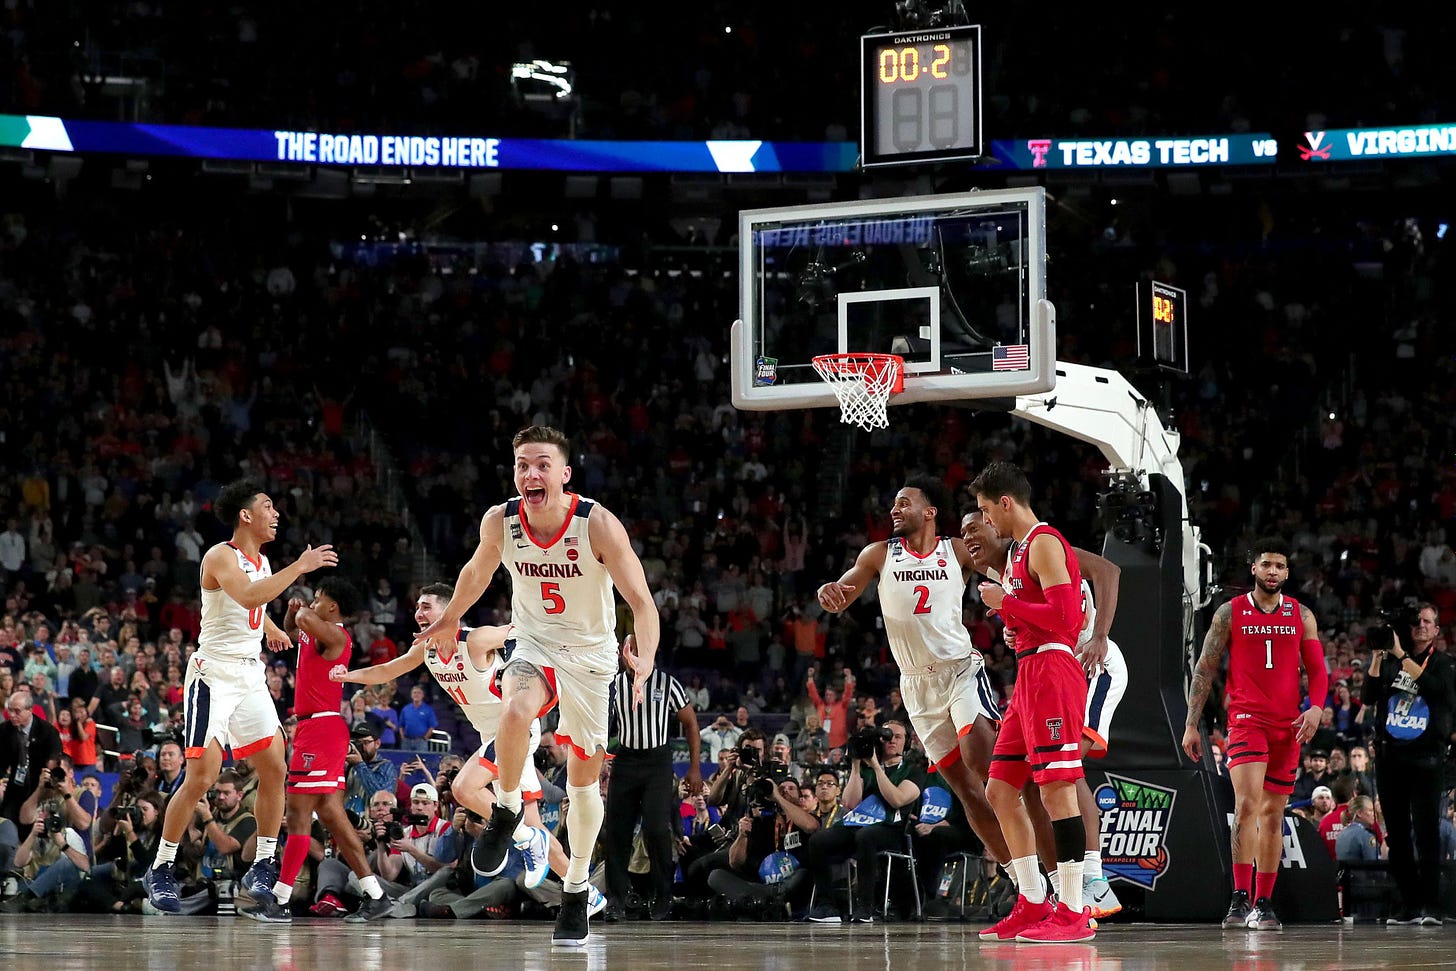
1015 357
571 541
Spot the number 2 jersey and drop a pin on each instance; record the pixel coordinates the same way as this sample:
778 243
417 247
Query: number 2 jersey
921 598
1264 662
561 595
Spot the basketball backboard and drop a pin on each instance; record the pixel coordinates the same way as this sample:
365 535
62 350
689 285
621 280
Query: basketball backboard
954 284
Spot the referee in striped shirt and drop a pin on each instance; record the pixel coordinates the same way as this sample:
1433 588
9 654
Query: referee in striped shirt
644 785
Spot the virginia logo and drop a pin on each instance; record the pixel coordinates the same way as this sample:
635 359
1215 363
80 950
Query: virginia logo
1314 149
1135 821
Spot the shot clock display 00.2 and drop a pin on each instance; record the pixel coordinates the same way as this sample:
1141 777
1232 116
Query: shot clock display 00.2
921 96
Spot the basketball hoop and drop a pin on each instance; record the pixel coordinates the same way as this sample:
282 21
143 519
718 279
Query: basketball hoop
863 384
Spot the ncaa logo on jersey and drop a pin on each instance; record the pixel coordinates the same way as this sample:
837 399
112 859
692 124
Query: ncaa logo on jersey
1287 610
940 562
1054 725
571 553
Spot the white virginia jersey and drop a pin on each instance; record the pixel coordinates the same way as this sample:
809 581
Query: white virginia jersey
560 594
1089 610
921 600
230 630
468 686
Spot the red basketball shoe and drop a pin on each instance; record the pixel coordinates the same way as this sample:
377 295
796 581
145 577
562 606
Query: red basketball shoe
1024 916
1064 926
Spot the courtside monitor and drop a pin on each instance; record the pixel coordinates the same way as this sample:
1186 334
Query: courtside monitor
953 284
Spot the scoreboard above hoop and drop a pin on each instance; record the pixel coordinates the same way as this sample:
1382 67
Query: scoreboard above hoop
920 96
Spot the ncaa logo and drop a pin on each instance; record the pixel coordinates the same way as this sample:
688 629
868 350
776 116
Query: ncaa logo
571 553
940 562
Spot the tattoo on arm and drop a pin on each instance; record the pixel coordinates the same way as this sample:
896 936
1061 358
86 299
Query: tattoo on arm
1215 646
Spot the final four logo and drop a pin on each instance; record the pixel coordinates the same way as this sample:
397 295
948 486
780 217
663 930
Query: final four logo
1135 821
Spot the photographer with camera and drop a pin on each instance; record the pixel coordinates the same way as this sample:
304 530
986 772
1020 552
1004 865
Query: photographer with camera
221 832
881 796
52 859
57 795
128 840
1412 690
756 871
27 746
368 771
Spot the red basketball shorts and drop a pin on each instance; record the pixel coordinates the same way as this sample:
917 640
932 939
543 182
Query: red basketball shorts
1250 740
1041 735
316 764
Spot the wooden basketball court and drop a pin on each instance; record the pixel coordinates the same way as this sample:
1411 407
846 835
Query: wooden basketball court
116 943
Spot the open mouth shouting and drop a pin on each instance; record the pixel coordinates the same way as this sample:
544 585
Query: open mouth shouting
534 495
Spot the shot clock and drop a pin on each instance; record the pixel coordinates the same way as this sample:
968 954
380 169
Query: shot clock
1162 326
920 96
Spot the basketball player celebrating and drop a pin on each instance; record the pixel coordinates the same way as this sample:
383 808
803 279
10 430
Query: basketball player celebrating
1106 682
468 674
226 695
922 575
1040 600
1266 636
316 768
564 553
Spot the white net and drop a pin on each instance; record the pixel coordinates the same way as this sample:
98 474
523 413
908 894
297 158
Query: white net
863 384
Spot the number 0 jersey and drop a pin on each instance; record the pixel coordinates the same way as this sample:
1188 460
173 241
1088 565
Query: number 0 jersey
561 595
230 630
1264 662
921 600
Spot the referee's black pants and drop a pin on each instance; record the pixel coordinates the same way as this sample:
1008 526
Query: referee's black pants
1410 797
643 786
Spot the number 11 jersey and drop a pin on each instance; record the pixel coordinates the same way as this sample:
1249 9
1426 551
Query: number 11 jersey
921 598
1264 662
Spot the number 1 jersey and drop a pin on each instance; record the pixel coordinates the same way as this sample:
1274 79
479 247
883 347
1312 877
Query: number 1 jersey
1264 662
561 595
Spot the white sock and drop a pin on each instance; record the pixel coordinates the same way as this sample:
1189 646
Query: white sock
1028 879
508 799
1071 874
267 846
1092 865
282 892
584 823
1056 878
1007 872
370 885
166 853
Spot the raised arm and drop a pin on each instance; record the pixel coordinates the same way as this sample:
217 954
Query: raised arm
1215 646
474 578
380 673
220 566
330 637
836 595
482 643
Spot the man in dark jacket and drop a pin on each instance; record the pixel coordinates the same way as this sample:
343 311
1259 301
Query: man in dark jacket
28 746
